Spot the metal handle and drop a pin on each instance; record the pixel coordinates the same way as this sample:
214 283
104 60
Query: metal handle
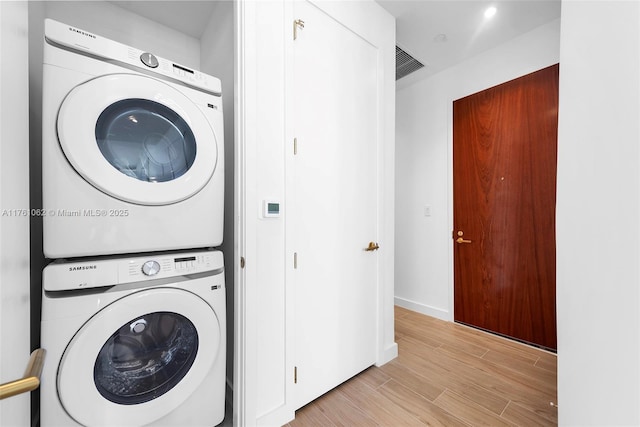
372 247
31 379
298 23
461 240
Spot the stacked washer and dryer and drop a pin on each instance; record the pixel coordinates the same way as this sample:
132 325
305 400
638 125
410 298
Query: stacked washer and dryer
133 307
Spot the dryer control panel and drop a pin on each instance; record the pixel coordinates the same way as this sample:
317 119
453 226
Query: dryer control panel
81 41
99 272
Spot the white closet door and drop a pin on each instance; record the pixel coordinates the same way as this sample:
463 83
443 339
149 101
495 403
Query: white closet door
335 203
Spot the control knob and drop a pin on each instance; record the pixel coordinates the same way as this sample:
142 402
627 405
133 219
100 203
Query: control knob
149 59
151 268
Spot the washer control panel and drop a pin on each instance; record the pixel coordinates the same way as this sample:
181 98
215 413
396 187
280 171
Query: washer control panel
63 275
168 265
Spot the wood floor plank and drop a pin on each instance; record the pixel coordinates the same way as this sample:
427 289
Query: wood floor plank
383 411
400 311
469 411
515 360
341 412
374 377
522 365
525 417
415 381
408 328
496 342
311 416
479 337
548 363
445 374
459 369
531 380
455 376
425 331
422 408
523 389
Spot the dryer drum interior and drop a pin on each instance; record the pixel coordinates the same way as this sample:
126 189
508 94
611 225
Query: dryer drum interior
145 358
145 140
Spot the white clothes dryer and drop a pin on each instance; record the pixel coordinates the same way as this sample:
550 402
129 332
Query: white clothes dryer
132 149
134 341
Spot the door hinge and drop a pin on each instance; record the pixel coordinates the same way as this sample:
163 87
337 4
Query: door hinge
295 260
295 375
242 262
298 23
295 146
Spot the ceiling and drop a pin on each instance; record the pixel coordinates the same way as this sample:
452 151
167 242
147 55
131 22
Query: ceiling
438 33
442 33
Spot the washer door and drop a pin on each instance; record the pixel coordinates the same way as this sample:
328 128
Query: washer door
137 139
139 358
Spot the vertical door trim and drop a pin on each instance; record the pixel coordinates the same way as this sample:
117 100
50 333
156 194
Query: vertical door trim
244 363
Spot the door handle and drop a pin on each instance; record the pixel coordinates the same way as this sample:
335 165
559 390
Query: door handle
31 379
372 247
298 23
461 240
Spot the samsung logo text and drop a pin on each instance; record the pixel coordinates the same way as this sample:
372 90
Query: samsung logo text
75 30
83 267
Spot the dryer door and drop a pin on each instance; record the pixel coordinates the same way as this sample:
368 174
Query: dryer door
139 358
137 138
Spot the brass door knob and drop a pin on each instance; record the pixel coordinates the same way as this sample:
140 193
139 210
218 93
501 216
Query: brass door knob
372 247
461 240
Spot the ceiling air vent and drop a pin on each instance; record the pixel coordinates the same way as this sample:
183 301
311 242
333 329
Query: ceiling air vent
405 63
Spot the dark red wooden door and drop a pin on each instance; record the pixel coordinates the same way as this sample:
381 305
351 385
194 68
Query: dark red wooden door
504 186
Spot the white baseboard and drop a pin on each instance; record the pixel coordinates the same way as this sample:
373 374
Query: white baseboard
388 354
436 312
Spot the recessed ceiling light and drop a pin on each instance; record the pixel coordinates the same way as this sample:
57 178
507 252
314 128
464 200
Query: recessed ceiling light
491 10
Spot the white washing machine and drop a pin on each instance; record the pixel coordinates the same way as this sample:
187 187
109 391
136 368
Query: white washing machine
134 341
132 149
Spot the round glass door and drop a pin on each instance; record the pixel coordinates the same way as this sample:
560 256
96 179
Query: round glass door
139 139
145 140
145 358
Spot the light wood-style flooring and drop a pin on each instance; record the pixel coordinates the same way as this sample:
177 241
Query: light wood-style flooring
445 375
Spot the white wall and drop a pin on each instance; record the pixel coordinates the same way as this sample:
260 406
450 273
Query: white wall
424 254
14 195
598 214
